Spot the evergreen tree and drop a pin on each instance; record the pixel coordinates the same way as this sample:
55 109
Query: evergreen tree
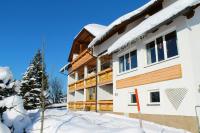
32 83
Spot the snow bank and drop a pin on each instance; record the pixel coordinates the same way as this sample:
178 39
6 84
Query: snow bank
4 128
5 75
120 20
15 115
152 22
62 121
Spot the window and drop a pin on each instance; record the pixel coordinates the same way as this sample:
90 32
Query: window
133 99
151 53
121 64
90 94
127 58
128 61
133 59
154 97
157 51
160 49
171 44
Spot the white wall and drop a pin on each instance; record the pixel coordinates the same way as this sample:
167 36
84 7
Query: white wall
71 97
190 69
193 33
71 78
79 95
105 92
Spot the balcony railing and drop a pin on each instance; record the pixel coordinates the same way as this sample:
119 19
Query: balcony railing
83 58
106 65
80 84
79 105
72 87
105 77
90 105
71 105
105 105
90 81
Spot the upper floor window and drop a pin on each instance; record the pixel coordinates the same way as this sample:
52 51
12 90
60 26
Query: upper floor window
151 53
158 51
121 64
133 55
128 61
171 44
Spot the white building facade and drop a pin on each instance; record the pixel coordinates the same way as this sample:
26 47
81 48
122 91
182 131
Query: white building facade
162 63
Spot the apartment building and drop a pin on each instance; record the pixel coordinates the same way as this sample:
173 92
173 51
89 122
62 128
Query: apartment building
154 50
88 74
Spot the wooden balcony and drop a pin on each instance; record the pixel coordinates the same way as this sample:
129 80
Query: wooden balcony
90 105
72 87
79 105
83 58
105 105
71 105
90 81
105 76
80 85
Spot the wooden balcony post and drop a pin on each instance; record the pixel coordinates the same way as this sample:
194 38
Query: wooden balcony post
76 76
85 72
98 64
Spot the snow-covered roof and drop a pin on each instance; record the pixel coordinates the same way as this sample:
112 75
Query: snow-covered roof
120 20
5 74
64 67
95 29
152 22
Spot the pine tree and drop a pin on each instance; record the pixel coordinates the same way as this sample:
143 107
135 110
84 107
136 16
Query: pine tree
32 83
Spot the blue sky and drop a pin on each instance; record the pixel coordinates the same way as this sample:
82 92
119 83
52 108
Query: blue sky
23 24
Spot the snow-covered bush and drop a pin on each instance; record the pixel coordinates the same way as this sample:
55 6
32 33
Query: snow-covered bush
6 83
12 112
4 128
16 116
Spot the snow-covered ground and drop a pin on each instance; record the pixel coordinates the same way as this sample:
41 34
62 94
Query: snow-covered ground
62 121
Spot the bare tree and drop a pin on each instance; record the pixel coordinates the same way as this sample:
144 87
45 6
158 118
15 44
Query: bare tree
56 90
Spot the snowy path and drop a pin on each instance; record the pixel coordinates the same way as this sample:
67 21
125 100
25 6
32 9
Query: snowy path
63 121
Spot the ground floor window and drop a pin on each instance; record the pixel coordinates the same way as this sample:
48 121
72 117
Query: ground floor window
90 94
133 98
154 96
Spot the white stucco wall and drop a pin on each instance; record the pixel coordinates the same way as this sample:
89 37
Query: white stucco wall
79 95
105 92
70 97
187 38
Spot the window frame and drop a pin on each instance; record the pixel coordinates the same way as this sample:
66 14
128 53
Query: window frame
164 47
164 37
123 69
130 99
149 97
124 61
